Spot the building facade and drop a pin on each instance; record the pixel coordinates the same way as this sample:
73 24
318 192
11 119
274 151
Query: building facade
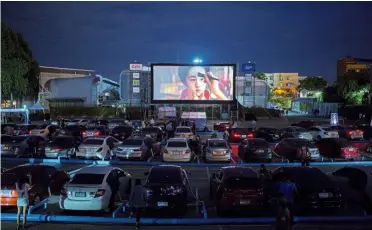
353 68
283 81
135 87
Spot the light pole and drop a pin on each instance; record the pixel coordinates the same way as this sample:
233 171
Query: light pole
197 61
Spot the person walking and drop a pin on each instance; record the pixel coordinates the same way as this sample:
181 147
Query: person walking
289 191
169 128
138 201
22 187
305 156
283 218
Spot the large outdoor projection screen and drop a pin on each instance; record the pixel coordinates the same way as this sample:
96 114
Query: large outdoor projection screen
203 84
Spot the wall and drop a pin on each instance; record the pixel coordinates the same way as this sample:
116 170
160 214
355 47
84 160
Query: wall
127 84
244 93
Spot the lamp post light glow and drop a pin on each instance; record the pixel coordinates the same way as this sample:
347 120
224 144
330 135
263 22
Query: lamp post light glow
197 61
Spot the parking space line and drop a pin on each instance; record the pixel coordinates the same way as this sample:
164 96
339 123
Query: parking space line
77 170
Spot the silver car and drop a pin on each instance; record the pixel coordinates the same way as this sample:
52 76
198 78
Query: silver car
62 146
216 150
97 147
134 149
184 132
297 132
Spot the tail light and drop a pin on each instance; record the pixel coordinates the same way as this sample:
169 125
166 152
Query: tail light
165 151
99 150
187 151
99 193
360 131
29 132
83 133
250 135
236 135
97 133
57 148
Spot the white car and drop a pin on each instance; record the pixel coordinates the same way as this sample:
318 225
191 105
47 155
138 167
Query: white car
177 150
184 132
97 148
43 130
320 132
95 188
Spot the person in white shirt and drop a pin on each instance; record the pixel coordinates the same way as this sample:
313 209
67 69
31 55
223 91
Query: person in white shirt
235 124
152 122
22 188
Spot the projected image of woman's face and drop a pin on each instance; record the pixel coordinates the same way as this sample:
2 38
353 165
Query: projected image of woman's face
195 81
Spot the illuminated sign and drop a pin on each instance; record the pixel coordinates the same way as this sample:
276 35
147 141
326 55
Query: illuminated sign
135 66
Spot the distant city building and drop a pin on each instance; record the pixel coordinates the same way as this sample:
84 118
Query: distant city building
284 81
135 86
351 67
250 91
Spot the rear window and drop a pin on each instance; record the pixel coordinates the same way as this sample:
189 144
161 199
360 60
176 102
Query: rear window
183 130
258 143
311 178
8 179
85 178
62 141
132 142
164 176
124 129
217 144
93 142
242 182
180 144
150 130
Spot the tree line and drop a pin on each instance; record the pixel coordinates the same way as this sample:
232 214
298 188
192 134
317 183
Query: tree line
19 70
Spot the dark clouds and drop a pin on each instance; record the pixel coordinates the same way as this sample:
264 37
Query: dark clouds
305 37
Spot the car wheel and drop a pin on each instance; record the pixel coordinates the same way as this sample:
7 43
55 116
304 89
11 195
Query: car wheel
36 200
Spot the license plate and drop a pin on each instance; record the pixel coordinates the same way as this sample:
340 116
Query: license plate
116 134
244 136
245 202
276 136
323 195
163 204
6 148
219 153
177 152
80 194
5 192
89 134
351 149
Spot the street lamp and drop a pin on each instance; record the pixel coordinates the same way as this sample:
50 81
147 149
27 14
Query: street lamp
197 61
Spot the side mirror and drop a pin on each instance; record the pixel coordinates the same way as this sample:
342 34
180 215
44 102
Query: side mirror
146 173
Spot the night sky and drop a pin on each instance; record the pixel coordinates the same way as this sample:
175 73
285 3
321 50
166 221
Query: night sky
304 37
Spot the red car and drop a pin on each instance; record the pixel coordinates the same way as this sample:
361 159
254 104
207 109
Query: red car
338 148
221 126
234 188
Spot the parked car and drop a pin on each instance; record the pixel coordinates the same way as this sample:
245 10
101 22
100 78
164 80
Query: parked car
28 146
8 145
255 149
46 180
156 133
184 131
290 148
270 134
122 132
62 146
348 132
221 126
23 129
44 130
135 148
97 148
94 131
234 188
315 189
115 122
338 148
217 149
296 132
72 130
321 132
77 122
305 124
167 188
96 188
177 150
367 131
236 135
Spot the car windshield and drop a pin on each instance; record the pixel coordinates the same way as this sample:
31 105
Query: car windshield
41 126
8 179
242 182
150 130
93 142
87 178
183 130
165 176
132 142
258 143
180 144
214 144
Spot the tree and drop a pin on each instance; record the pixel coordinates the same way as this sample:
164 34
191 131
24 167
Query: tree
331 95
20 71
260 76
313 84
353 91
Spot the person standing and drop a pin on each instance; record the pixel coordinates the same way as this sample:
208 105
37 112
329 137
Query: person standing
22 188
138 200
289 191
169 128
305 156
283 218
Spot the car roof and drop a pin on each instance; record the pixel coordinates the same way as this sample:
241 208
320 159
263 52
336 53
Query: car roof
238 171
96 169
177 139
96 138
184 127
166 167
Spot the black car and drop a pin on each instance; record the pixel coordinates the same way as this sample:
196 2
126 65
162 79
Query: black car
270 134
236 135
315 189
72 130
24 129
167 187
155 132
255 149
290 148
25 145
122 132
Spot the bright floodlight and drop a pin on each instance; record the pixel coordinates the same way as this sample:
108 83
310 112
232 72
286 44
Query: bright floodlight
197 61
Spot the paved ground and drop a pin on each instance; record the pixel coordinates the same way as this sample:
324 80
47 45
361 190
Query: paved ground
47 226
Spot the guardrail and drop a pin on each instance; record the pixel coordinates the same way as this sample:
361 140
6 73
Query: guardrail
145 163
182 221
